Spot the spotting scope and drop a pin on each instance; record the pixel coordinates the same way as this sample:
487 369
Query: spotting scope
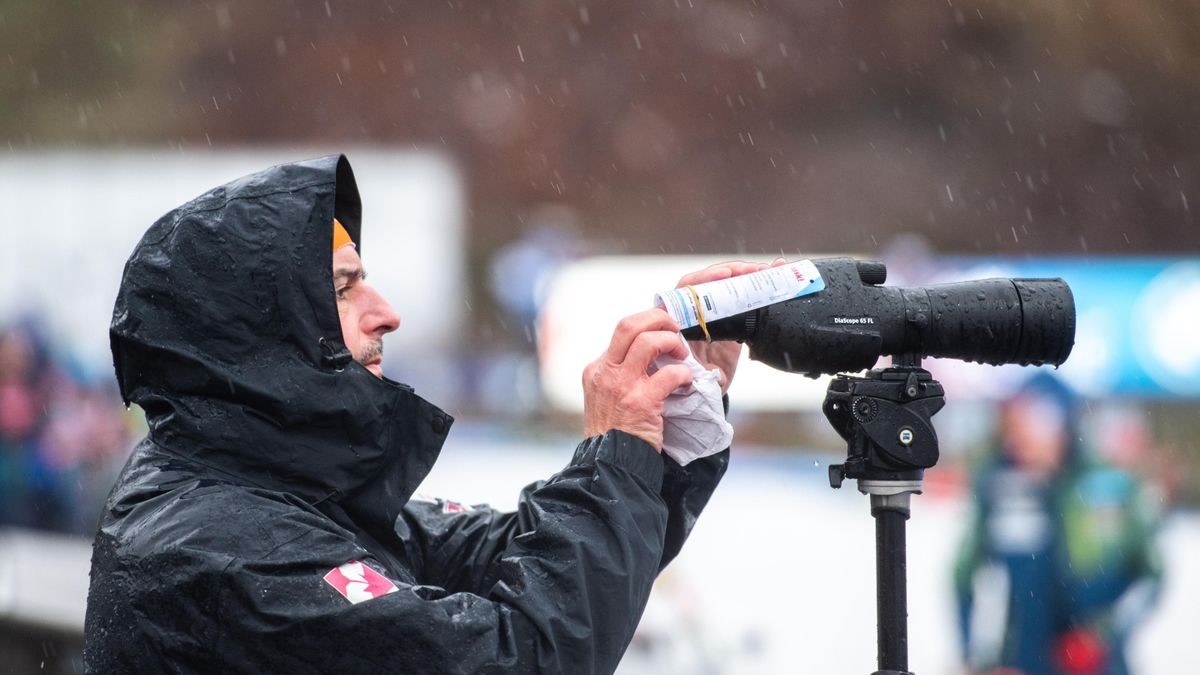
854 320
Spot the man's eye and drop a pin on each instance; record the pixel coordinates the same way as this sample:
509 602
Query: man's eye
341 292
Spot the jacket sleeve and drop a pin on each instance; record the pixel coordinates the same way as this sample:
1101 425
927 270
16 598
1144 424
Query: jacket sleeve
460 550
686 490
566 597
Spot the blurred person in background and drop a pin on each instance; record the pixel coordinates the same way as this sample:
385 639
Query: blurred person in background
61 437
265 522
1123 437
519 275
20 422
1059 564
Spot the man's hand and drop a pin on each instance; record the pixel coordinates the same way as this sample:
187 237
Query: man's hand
721 355
617 391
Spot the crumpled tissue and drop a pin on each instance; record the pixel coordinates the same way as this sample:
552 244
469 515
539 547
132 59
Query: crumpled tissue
694 424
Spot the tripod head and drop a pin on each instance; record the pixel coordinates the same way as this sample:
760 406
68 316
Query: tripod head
884 418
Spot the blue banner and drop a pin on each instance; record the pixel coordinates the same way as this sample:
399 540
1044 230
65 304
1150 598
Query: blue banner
1138 320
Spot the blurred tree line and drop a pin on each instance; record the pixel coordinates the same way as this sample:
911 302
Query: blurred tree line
671 125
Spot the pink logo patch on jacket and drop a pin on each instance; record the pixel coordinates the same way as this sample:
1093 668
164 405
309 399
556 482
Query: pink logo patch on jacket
357 582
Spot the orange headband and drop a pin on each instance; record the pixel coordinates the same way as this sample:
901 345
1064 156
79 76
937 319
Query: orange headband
340 236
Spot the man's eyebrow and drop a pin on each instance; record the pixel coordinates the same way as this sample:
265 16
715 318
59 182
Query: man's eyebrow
349 273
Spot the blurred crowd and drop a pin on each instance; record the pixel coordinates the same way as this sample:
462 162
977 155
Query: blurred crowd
63 436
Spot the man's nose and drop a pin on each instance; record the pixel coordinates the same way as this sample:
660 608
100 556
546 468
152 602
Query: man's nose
381 317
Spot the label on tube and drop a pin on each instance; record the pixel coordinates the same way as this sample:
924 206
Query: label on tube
715 300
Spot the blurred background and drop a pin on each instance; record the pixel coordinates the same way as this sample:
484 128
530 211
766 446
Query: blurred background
532 171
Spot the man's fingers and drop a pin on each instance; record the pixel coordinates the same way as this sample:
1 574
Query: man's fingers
634 325
724 270
711 273
668 379
650 345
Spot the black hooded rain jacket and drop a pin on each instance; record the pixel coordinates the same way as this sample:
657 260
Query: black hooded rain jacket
265 523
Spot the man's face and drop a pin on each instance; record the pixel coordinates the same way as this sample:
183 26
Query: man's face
1035 433
366 317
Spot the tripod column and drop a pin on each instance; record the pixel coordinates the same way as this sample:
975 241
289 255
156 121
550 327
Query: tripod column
891 583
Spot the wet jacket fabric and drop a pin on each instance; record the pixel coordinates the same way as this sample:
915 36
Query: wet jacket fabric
266 523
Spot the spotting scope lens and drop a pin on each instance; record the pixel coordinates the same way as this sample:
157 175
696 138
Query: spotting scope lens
854 320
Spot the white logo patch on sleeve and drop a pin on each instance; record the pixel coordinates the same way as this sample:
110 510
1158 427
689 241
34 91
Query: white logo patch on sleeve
357 582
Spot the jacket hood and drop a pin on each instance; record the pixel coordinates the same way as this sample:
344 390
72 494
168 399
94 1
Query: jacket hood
226 332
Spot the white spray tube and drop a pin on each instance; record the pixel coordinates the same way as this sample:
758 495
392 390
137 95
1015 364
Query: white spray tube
698 305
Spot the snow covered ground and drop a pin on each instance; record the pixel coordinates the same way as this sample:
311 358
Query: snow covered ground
778 576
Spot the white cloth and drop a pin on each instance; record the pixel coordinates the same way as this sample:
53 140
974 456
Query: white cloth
694 424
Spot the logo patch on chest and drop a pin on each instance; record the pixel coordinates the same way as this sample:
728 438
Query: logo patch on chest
357 582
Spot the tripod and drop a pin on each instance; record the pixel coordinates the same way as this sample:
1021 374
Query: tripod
884 418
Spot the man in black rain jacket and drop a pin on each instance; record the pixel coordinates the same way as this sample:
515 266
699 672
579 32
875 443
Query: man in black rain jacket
265 523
